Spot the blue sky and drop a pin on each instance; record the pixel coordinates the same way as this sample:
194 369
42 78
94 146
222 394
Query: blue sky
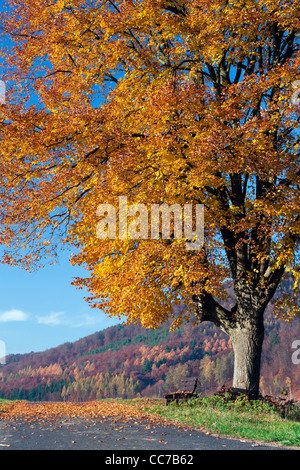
41 310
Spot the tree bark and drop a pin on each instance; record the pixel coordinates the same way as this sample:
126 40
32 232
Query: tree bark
247 341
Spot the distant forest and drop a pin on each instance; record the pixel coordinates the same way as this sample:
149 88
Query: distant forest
129 361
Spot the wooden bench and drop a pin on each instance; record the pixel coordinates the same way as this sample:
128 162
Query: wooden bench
187 390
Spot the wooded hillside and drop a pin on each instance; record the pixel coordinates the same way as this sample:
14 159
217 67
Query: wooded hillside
128 361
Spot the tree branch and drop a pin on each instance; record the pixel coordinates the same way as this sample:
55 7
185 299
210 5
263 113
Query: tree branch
207 309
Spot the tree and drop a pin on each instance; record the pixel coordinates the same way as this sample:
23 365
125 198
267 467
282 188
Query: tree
174 377
161 101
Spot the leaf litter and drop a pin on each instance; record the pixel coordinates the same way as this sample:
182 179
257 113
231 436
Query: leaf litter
38 413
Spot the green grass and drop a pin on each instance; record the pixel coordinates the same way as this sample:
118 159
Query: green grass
2 402
256 420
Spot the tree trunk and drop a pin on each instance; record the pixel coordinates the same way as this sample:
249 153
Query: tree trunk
245 325
247 340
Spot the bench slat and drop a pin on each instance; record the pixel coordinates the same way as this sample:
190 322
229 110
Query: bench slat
186 390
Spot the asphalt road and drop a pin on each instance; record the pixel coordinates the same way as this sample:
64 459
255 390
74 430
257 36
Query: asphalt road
113 435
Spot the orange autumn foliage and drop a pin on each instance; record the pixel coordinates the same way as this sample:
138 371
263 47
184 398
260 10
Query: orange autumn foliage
44 412
162 101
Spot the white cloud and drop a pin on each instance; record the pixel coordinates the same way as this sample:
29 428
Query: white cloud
13 315
53 319
88 320
97 321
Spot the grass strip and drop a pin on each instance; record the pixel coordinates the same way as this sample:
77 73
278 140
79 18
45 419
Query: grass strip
242 419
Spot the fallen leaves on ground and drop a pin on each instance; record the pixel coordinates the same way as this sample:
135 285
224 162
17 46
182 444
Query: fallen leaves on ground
52 411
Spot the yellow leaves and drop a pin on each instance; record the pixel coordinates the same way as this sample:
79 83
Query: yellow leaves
178 274
237 210
58 7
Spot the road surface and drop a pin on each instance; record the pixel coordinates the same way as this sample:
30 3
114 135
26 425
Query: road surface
113 435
